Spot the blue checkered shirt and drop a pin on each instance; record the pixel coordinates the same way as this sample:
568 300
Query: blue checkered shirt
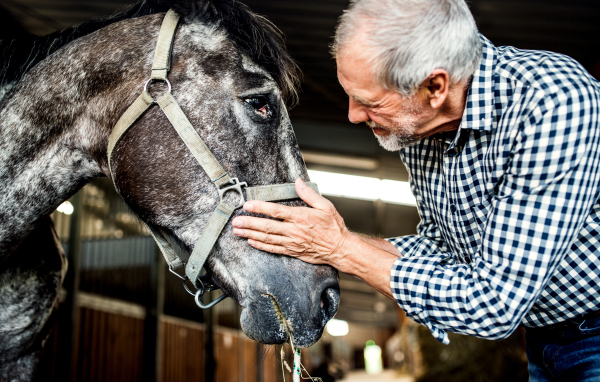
509 204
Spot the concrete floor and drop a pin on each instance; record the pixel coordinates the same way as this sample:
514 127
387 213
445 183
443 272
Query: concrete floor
387 375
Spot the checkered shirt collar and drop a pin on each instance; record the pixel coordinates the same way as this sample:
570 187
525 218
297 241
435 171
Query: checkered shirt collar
478 114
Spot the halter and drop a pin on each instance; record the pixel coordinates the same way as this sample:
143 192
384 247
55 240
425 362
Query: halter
221 179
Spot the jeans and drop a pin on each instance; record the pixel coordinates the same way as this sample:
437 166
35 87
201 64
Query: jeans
565 352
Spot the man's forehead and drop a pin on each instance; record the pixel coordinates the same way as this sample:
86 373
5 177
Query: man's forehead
355 76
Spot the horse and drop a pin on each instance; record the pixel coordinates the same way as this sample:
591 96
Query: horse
61 97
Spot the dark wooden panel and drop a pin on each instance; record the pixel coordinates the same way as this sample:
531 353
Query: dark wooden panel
182 351
250 354
110 347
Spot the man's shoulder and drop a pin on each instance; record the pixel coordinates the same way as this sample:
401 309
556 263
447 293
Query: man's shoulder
544 70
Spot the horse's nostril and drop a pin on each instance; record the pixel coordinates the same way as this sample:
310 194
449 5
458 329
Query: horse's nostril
330 299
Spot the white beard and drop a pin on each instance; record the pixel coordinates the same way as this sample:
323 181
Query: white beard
394 142
402 132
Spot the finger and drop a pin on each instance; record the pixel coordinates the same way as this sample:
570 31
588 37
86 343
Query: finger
268 247
274 210
311 197
260 236
268 226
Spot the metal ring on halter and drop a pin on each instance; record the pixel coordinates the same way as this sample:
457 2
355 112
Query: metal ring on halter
155 79
200 293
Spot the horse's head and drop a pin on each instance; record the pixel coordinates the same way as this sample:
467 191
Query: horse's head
230 75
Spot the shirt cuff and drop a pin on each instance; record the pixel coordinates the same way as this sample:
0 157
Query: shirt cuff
409 281
414 245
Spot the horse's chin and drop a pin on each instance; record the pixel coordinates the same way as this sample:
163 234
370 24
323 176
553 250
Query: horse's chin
272 319
273 332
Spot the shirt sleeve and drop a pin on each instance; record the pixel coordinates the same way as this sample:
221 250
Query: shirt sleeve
429 239
546 193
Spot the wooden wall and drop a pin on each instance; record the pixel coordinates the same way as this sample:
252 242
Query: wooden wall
110 347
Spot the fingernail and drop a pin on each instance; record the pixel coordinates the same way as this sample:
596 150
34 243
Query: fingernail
251 242
248 207
238 232
302 184
237 223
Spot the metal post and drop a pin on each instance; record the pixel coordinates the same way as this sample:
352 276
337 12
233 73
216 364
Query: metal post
69 325
151 366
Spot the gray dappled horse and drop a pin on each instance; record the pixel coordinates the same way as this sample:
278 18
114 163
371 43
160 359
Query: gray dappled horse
62 94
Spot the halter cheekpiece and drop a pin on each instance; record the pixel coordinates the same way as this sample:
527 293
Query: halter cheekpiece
221 179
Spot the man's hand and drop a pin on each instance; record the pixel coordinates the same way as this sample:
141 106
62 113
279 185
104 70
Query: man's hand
318 235
315 235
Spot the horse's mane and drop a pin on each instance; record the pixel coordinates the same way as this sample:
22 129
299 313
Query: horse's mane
252 34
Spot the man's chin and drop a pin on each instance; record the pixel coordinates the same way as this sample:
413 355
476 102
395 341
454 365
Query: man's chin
393 142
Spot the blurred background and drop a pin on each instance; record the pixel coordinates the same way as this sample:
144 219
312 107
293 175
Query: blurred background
125 318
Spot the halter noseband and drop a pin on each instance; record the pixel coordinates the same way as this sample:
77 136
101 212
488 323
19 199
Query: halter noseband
212 167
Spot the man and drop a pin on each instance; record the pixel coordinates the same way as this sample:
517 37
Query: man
502 147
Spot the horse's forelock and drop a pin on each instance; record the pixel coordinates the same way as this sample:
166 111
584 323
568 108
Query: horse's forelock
252 34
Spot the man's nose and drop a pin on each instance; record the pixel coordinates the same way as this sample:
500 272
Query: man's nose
357 112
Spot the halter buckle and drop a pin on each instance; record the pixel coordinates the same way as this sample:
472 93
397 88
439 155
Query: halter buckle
237 187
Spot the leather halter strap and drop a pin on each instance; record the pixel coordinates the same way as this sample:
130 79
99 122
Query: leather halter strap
222 180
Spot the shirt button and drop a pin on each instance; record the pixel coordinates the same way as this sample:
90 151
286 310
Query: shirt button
452 152
453 208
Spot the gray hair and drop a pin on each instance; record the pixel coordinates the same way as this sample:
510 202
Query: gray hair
408 39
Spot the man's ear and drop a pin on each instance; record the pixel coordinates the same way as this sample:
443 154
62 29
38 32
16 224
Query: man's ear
437 86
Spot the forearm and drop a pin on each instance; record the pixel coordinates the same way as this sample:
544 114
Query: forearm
381 244
368 260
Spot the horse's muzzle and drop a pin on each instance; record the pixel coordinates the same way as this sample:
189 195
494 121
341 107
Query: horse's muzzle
292 311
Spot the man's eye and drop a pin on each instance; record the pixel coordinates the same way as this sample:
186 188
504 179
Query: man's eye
260 105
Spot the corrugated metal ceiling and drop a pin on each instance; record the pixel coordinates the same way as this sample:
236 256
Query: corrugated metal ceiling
568 27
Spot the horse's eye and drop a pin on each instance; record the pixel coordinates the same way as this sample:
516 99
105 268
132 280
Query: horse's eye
256 102
260 105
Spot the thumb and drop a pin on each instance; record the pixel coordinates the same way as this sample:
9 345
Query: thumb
310 196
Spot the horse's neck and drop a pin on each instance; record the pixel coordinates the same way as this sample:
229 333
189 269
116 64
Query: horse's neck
39 169
54 129
35 177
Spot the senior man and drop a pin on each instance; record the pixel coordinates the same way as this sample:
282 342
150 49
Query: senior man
502 147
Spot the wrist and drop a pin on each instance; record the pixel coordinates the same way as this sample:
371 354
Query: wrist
359 257
348 258
366 262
